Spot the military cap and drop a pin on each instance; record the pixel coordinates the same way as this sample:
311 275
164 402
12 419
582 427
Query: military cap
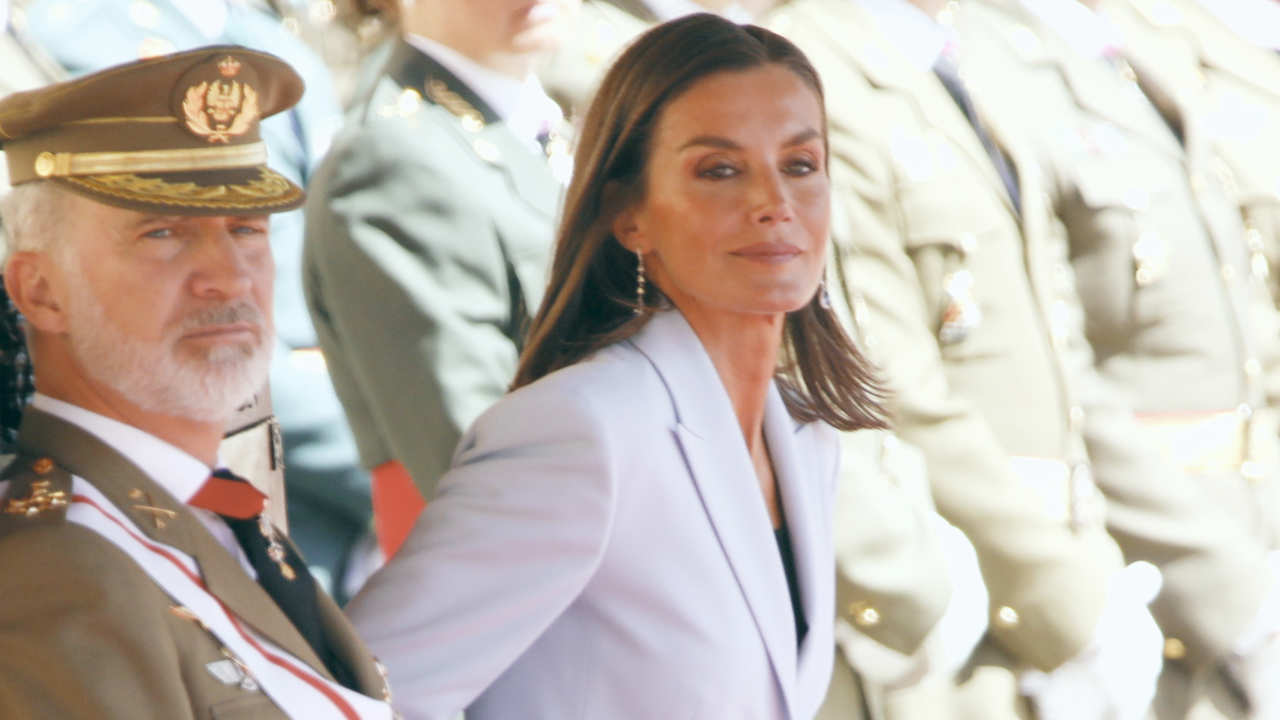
174 134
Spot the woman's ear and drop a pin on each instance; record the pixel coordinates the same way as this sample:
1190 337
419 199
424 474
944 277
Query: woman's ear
30 287
625 229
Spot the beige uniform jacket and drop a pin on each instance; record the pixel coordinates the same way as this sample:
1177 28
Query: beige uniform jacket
85 632
601 31
956 297
1171 312
1224 95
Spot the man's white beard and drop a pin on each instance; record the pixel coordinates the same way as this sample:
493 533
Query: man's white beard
160 377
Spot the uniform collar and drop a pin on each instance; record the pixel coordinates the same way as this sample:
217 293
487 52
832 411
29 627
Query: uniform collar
523 105
1085 31
173 469
1257 21
921 39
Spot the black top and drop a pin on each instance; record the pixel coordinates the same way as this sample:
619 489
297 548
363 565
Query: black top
789 566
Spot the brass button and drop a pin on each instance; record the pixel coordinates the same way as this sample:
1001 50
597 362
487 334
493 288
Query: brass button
1076 415
1252 367
864 614
42 466
1007 618
1174 649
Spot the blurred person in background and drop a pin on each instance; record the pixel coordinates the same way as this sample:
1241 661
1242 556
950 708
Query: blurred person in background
428 233
327 491
1180 320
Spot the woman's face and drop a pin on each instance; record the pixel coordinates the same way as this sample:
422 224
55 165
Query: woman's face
736 207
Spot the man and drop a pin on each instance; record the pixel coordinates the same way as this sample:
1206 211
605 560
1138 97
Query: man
1177 319
428 234
141 262
328 492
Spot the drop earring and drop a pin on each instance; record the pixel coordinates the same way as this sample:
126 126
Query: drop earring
640 283
824 297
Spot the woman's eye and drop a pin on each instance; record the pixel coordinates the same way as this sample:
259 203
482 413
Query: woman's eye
801 167
718 172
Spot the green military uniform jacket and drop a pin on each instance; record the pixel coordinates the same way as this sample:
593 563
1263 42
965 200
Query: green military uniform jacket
926 236
1224 96
429 227
1175 320
86 633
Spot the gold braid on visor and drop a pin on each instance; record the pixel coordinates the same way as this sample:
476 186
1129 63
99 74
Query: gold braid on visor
49 164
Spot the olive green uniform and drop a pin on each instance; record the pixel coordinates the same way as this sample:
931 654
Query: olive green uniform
86 633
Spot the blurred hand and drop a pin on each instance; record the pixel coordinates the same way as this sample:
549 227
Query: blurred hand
1115 677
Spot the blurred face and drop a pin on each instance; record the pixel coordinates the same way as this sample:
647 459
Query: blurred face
488 29
737 201
173 313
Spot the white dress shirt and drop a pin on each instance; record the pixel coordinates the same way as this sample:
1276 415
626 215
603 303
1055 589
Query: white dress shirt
1257 21
170 467
920 38
523 105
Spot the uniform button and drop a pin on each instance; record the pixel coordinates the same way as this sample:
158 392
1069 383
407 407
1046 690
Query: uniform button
1252 367
1007 618
1174 649
864 614
1077 418
1253 236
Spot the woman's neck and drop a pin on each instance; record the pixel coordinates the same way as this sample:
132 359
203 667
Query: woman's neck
744 350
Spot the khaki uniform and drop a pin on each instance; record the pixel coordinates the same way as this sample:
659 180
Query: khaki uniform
970 308
1224 95
87 633
1178 322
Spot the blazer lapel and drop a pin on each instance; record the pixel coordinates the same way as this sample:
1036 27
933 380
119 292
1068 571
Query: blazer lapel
798 485
349 648
128 488
713 447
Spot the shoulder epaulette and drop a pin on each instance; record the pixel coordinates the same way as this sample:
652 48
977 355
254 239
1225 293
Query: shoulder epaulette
36 490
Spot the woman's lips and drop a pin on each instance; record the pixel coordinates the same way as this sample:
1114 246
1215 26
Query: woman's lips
768 252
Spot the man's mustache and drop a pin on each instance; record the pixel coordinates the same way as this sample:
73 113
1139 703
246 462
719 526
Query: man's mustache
233 313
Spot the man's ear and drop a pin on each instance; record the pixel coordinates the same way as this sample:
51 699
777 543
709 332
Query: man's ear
28 280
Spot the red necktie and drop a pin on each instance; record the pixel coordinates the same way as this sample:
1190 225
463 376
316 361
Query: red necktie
230 496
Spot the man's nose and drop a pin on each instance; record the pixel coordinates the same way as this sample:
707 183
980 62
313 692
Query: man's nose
223 271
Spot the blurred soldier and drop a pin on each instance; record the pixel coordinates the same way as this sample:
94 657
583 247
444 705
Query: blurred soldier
428 235
1177 321
328 493
140 581
1222 95
964 298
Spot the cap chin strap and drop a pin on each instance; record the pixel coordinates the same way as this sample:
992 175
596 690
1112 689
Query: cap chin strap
50 164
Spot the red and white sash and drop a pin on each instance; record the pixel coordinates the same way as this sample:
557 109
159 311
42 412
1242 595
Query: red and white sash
290 683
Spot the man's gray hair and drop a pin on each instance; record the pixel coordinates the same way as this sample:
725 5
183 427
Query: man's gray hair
29 216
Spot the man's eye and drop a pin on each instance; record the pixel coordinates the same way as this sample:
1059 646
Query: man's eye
249 230
159 233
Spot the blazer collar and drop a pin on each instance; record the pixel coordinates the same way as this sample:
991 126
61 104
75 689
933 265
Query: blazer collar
1216 45
477 125
850 31
708 433
129 489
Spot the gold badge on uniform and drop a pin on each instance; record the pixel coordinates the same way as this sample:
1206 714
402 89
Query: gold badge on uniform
961 314
40 498
221 108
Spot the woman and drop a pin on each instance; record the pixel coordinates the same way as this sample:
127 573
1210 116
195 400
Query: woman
641 529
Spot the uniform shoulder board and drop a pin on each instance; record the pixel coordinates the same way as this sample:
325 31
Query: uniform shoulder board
33 491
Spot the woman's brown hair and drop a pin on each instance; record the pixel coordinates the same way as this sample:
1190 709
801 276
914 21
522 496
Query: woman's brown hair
590 299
